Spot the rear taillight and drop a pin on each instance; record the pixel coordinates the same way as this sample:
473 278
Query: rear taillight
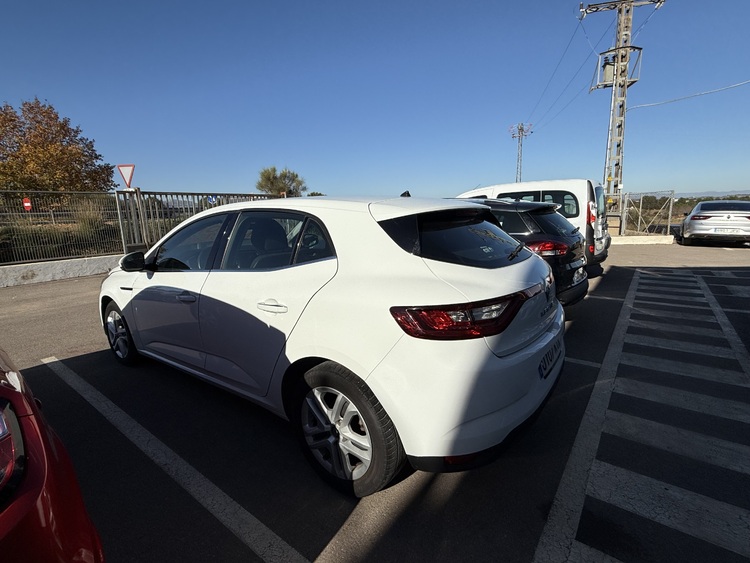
592 213
549 248
700 217
462 321
11 450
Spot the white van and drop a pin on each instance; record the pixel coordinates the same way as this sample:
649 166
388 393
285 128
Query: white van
581 201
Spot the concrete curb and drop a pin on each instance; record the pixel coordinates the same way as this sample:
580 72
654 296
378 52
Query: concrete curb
20 274
643 239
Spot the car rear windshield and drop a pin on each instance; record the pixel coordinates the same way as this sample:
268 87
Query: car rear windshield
471 237
725 206
552 223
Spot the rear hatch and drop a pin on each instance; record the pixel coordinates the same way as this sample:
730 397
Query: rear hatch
466 248
728 218
550 222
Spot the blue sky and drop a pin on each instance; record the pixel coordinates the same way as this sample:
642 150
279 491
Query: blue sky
372 98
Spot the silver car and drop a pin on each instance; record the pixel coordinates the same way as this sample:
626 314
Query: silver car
726 221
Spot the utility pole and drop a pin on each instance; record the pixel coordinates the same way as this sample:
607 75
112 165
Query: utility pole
617 75
519 132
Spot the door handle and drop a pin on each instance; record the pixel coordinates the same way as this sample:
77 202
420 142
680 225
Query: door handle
187 298
272 306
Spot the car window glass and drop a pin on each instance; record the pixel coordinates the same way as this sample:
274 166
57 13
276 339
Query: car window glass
190 247
554 224
459 236
523 196
314 244
262 240
513 223
568 202
601 207
725 206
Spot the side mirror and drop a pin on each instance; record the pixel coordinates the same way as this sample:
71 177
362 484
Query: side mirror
133 262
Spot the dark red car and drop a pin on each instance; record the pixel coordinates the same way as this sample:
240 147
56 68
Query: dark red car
42 515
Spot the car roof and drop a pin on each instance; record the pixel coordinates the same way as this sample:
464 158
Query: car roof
380 208
519 205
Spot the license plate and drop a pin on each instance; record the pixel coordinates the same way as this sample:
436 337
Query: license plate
728 231
550 359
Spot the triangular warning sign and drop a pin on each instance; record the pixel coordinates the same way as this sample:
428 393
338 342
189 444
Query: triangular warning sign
126 171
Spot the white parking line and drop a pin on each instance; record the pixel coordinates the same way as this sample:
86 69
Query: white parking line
559 533
236 519
707 449
711 520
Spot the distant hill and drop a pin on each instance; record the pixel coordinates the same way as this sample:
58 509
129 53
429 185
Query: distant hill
715 194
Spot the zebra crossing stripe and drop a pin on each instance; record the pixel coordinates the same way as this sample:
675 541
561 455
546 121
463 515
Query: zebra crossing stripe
708 519
696 402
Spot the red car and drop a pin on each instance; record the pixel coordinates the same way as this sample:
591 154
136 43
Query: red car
42 515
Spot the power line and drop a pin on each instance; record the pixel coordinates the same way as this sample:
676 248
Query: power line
553 73
585 61
690 96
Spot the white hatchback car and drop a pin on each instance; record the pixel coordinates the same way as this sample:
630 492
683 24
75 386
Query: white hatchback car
386 331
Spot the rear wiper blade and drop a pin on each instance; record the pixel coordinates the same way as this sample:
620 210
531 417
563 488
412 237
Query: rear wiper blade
516 251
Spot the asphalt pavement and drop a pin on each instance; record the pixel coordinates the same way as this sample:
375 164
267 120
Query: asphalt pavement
641 453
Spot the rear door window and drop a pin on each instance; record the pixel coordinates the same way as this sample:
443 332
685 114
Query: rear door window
471 237
568 202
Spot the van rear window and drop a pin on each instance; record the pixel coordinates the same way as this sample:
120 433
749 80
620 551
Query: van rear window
471 237
568 202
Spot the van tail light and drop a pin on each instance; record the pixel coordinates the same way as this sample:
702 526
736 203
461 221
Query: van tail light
12 453
548 248
592 213
462 321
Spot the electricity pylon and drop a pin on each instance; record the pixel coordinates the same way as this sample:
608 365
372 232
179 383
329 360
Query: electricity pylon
617 75
519 132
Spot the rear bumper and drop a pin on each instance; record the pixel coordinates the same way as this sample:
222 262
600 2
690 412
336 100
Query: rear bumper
450 399
573 294
436 464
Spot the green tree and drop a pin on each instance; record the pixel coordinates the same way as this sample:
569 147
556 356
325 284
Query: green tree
315 194
41 151
278 183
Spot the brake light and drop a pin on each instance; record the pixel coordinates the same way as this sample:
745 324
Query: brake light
592 213
548 248
462 321
699 217
11 449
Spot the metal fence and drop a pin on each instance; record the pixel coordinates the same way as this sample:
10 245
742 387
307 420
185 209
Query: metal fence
38 226
646 213
147 216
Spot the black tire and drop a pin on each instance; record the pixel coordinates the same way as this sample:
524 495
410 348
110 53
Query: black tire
686 241
118 335
345 432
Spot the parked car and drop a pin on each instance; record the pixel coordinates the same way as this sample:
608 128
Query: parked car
581 201
551 236
724 221
387 331
42 514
